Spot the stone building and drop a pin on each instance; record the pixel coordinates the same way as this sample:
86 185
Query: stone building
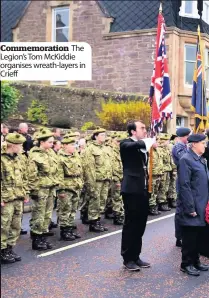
122 36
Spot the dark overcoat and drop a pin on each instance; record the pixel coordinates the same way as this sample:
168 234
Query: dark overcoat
193 183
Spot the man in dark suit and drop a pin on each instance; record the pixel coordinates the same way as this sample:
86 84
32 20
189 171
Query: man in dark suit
135 194
206 153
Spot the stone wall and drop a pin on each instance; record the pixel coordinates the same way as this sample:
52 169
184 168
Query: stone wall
78 105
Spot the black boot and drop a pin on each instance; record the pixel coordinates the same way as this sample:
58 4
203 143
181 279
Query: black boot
37 242
153 210
118 220
48 244
65 234
178 243
74 233
109 213
101 225
23 232
95 226
171 203
164 207
6 257
13 254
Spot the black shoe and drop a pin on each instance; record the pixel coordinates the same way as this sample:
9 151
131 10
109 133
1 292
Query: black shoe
53 225
142 264
49 233
191 270
6 258
178 243
172 203
74 227
48 244
66 235
164 207
131 266
201 267
101 225
23 232
118 221
153 211
75 234
13 254
85 221
37 243
95 227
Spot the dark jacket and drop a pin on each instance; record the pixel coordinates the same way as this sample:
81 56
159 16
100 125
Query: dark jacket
134 166
206 154
28 144
193 185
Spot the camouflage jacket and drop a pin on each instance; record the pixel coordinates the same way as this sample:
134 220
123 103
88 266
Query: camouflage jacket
167 159
42 169
158 159
117 165
13 184
70 171
97 165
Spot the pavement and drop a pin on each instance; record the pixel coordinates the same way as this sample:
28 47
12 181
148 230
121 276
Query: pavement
91 267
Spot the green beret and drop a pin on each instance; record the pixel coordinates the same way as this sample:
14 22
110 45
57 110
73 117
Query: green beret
44 133
164 137
15 138
99 130
68 140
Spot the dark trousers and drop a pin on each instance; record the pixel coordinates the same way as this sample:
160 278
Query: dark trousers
178 228
191 238
136 212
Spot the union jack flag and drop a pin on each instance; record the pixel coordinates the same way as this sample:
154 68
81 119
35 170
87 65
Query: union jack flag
160 93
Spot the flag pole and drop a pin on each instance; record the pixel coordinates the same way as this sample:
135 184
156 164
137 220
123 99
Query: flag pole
151 149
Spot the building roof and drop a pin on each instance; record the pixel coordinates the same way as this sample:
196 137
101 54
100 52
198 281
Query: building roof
136 15
128 15
11 12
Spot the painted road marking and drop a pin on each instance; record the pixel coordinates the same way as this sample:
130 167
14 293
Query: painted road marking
52 252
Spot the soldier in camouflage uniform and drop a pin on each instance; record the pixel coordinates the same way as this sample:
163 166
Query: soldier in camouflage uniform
117 202
172 194
97 175
157 176
42 180
71 177
167 168
13 193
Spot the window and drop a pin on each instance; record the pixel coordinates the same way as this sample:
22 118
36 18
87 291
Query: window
190 60
189 9
207 67
205 15
180 121
60 29
60 24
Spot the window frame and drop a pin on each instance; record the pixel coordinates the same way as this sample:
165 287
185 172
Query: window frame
182 124
53 36
194 13
204 14
195 46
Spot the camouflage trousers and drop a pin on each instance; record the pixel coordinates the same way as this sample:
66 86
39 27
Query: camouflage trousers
115 201
163 188
11 215
97 203
42 211
172 186
67 208
156 179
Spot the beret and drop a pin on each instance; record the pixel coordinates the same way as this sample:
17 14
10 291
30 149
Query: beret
183 132
68 140
15 138
164 136
44 133
99 130
195 138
